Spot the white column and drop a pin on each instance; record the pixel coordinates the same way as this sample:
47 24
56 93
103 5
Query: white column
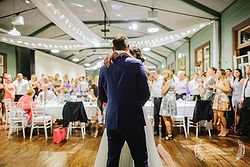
216 46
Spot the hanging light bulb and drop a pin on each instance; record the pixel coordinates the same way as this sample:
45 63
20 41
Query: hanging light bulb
14 32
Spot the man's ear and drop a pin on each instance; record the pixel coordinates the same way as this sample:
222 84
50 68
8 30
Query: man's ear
127 48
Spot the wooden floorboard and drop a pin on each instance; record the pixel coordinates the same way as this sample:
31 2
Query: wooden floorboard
37 152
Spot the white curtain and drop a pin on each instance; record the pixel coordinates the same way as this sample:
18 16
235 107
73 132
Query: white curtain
216 47
65 19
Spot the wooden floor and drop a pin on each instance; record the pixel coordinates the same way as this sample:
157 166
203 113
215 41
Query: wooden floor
82 152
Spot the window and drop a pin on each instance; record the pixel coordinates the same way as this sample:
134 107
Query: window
3 63
202 58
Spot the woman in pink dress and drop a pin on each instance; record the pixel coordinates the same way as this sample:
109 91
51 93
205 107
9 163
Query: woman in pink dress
9 89
27 100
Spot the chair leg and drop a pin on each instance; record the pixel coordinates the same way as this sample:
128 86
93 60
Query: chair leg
17 131
23 130
209 132
31 131
84 129
197 130
68 129
51 127
188 126
184 127
82 126
45 131
10 131
6 121
5 128
37 131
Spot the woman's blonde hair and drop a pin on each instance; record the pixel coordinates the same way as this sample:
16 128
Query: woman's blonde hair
169 73
30 92
223 75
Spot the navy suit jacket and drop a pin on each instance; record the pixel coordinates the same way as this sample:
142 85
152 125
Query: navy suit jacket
125 88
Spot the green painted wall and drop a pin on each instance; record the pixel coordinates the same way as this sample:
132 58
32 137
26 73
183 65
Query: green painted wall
200 38
234 15
184 52
11 57
203 36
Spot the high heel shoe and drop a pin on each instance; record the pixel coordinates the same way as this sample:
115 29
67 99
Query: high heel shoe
225 133
236 129
169 137
95 134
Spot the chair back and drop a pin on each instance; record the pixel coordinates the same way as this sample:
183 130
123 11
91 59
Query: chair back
202 111
16 111
7 104
37 109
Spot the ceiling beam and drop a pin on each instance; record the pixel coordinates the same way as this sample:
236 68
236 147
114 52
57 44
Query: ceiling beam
151 62
146 55
17 13
166 47
163 10
95 60
41 29
159 54
203 8
100 22
81 61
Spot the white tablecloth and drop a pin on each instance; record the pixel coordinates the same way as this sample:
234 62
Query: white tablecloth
184 108
55 110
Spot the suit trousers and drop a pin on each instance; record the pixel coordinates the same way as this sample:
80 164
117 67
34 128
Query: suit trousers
245 117
136 141
229 115
157 117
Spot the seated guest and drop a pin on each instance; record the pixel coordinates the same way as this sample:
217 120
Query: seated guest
47 83
57 84
47 95
66 83
195 87
181 85
245 101
27 100
34 84
84 86
76 86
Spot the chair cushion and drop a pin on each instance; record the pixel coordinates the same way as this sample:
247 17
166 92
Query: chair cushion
40 118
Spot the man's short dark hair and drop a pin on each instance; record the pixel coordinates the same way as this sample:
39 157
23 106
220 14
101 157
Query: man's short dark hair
214 69
120 42
228 69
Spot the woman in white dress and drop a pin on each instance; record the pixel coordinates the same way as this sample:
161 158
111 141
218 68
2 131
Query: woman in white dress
168 104
237 90
125 157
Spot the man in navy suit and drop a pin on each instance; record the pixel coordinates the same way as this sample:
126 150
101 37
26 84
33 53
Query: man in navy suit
124 87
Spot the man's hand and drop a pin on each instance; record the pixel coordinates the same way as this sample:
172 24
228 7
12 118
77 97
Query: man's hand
241 101
108 60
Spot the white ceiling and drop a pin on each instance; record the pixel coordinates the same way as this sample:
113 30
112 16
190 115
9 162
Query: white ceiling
120 16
